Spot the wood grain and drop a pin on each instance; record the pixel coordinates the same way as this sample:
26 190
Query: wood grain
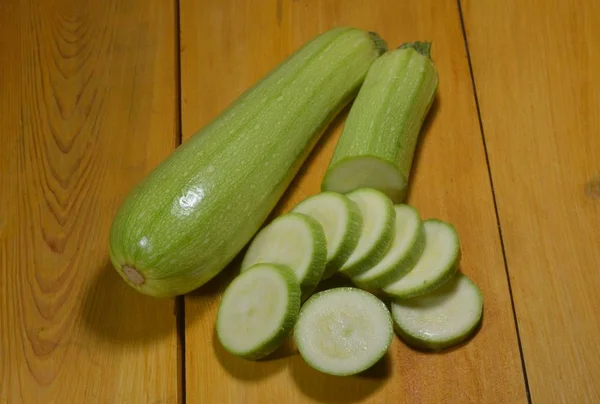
88 106
536 67
226 46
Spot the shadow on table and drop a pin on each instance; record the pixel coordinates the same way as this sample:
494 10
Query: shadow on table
115 312
247 370
336 389
425 130
313 166
217 285
204 300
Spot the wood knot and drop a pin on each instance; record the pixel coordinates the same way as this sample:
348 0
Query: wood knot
592 188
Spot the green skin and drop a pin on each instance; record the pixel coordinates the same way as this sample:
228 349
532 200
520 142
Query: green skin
441 277
399 268
386 119
194 213
378 251
349 243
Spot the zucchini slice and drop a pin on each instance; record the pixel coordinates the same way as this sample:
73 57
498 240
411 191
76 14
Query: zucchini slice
343 331
258 310
442 318
438 262
377 231
341 221
295 240
403 254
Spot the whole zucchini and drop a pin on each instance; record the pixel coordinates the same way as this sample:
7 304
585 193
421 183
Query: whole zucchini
185 221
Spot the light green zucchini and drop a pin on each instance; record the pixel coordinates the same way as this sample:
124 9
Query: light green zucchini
194 213
379 139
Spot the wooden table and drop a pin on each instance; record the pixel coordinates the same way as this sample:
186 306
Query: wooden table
95 93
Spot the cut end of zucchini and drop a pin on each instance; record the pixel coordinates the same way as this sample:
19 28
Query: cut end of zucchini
438 262
258 310
343 331
443 318
366 172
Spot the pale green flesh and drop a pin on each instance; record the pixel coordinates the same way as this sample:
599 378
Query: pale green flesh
258 310
190 216
381 133
341 221
365 172
343 331
438 262
442 318
294 240
377 231
403 254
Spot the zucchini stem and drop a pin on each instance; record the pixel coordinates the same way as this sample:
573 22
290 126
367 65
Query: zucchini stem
380 43
424 48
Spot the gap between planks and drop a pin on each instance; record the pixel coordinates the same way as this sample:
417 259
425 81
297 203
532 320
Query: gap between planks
179 300
489 170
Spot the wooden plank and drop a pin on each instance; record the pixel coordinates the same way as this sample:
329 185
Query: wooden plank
536 67
226 47
88 106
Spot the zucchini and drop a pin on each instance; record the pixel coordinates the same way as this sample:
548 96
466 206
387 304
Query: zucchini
295 240
376 233
258 311
341 221
343 331
379 139
441 318
406 249
186 220
438 262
